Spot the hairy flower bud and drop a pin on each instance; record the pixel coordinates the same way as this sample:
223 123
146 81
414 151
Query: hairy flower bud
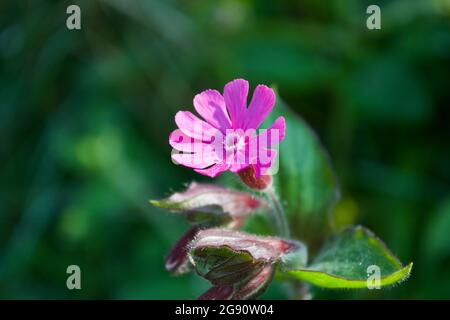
248 177
206 205
241 260
255 286
226 257
177 260
212 205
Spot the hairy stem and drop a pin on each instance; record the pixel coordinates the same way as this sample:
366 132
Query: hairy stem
278 213
300 291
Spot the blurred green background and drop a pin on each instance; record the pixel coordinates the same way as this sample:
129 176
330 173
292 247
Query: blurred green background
85 116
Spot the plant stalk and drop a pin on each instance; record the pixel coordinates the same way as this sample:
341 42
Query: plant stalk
278 213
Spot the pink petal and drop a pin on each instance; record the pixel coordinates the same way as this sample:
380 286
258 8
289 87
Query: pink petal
211 106
262 103
235 94
277 131
272 136
267 138
181 142
239 160
215 170
195 128
238 167
199 160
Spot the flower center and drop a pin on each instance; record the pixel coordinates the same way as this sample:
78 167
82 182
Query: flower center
234 141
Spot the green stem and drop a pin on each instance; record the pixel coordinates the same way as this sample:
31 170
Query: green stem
300 290
278 213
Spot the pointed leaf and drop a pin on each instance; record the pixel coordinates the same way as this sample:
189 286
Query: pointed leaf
345 261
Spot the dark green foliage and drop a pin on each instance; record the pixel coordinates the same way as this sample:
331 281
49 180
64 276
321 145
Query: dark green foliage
85 117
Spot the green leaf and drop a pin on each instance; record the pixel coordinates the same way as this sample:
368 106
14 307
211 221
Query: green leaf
305 181
344 262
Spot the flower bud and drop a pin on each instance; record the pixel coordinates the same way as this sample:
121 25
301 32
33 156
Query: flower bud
251 289
218 293
241 261
227 257
249 177
255 286
177 260
222 266
212 205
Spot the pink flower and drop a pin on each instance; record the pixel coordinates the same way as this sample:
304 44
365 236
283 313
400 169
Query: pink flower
226 138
